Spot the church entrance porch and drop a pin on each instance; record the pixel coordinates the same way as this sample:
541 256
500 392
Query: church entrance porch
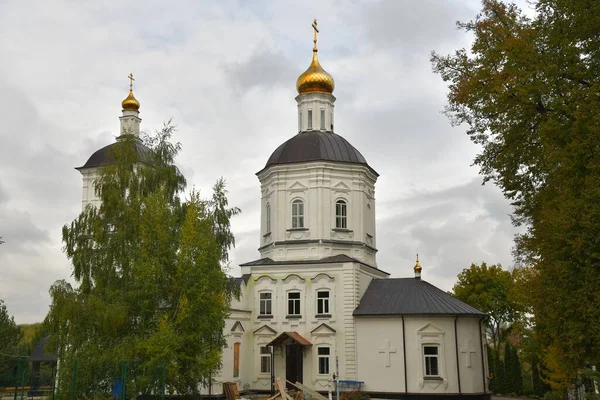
293 346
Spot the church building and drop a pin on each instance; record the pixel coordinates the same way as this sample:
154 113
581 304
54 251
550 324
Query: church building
315 306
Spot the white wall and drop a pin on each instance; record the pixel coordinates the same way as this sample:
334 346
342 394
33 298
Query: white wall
374 333
319 185
342 280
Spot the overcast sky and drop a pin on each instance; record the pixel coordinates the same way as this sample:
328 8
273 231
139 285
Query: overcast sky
225 71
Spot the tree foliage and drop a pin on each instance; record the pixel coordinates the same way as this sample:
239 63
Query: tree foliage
528 91
10 334
490 289
150 272
9 330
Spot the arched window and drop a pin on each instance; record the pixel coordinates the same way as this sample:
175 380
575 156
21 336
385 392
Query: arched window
341 214
297 214
268 212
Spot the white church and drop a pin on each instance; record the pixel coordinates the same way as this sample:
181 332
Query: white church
315 306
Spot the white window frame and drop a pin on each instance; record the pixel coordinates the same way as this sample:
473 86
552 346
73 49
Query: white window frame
341 214
266 356
295 303
300 122
325 300
326 357
268 302
435 357
268 212
310 122
322 119
297 214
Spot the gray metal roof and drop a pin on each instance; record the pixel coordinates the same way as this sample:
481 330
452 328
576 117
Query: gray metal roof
410 296
316 146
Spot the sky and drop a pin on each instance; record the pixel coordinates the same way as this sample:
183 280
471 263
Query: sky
225 72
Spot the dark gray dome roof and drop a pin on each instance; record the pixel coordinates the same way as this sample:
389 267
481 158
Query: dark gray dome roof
104 156
316 146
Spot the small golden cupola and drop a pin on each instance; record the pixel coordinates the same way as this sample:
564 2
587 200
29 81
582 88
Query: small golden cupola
315 78
130 103
418 269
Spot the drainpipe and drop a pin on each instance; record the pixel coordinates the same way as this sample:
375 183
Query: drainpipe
481 330
272 370
456 348
404 354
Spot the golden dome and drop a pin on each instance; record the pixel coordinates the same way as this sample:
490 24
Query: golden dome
130 103
315 78
418 266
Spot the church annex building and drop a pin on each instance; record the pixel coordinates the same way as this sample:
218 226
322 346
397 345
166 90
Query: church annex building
315 303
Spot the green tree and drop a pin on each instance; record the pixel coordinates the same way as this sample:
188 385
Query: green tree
150 269
528 91
11 335
489 289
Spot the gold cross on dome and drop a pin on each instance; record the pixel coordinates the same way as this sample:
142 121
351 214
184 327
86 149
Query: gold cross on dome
314 25
131 79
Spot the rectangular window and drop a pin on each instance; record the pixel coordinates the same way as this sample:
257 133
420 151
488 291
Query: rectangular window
323 358
323 302
294 303
236 360
430 353
341 214
265 303
300 121
268 218
297 214
323 119
309 119
265 360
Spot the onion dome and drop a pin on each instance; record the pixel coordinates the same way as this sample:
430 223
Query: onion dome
130 103
418 268
315 78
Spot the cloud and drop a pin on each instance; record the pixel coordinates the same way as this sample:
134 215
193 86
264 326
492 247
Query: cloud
449 228
226 72
266 68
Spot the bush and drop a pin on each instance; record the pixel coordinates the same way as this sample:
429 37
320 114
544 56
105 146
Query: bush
354 395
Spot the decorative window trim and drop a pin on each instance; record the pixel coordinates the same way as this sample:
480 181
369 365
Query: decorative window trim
426 351
341 214
268 356
293 276
269 304
325 368
309 114
293 304
268 218
298 214
431 335
322 275
322 119
326 302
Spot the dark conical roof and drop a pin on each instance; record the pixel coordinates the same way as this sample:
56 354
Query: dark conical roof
105 155
316 146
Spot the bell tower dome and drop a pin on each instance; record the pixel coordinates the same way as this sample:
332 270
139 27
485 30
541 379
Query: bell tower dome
318 191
